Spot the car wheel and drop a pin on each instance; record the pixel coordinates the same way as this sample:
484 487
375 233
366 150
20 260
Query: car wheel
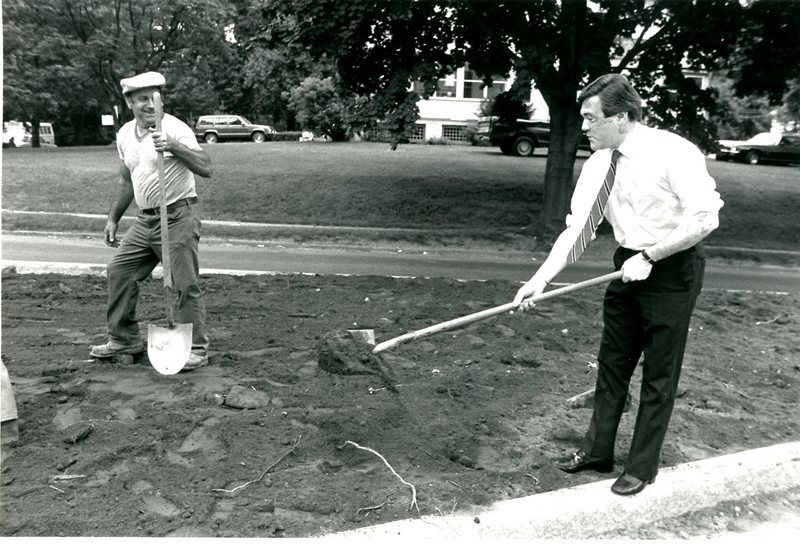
524 146
258 137
211 138
752 157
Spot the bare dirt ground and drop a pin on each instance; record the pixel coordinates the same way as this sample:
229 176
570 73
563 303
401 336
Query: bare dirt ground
261 442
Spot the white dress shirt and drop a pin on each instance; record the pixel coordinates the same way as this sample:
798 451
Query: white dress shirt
661 180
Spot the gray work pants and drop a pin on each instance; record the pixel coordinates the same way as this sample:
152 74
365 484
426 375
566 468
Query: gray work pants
136 258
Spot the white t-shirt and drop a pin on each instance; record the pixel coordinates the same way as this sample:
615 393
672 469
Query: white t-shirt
141 158
661 179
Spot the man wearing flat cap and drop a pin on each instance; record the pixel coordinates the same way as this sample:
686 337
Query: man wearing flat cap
138 145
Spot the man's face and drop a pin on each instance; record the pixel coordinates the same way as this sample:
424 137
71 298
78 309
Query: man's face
141 104
603 132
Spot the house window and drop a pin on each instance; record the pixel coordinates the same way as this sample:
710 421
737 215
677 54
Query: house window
419 132
454 133
446 87
498 86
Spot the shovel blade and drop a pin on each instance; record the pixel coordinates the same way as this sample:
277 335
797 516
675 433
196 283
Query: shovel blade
168 348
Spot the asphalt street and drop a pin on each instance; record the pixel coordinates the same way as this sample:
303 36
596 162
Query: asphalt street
240 258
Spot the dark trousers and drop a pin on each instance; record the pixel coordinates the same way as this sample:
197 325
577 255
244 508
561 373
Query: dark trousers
651 317
136 258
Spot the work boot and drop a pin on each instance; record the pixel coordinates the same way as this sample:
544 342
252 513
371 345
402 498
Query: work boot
196 360
109 349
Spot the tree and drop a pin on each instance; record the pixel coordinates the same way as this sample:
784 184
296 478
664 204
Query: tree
789 113
506 107
273 62
767 57
69 55
739 118
380 47
319 107
38 64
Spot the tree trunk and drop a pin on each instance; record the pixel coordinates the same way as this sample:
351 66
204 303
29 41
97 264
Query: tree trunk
559 173
35 141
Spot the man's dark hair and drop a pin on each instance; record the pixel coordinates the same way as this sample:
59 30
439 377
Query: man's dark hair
616 95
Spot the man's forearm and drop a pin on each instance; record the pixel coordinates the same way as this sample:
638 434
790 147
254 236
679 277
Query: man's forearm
195 160
556 260
122 200
685 235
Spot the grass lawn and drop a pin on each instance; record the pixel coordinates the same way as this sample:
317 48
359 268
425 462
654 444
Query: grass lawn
468 191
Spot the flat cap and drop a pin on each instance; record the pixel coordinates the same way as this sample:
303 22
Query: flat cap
142 81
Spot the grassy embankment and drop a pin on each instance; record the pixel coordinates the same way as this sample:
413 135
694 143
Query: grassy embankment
454 196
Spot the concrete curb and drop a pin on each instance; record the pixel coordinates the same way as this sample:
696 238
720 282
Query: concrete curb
83 269
591 510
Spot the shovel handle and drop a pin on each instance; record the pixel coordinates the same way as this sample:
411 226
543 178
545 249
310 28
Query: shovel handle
491 312
158 106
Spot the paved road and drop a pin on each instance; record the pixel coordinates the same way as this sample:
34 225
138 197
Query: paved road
250 257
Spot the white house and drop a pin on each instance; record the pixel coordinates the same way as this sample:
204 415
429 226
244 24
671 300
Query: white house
458 98
457 102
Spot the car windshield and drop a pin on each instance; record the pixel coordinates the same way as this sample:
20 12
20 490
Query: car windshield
765 138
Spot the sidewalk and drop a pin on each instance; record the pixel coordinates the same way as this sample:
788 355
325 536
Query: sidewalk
592 511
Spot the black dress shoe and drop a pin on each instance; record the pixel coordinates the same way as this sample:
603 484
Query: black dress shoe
580 460
630 485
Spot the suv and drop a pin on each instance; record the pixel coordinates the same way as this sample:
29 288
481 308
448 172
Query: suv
212 128
521 136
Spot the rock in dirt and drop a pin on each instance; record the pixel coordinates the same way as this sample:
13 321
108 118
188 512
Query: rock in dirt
343 352
246 398
76 432
9 271
524 357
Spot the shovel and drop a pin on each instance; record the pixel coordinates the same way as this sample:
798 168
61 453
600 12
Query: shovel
484 314
168 348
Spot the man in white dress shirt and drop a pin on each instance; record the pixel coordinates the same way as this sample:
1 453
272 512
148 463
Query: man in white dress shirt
662 204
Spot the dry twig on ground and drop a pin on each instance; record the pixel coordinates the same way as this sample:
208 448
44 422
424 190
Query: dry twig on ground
266 470
385 462
369 509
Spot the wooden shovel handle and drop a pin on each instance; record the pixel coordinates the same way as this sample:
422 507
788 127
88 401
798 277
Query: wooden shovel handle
484 314
158 105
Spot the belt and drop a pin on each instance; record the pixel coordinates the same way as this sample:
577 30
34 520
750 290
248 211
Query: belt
177 204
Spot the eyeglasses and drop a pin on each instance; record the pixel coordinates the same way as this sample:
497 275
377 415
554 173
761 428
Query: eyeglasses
594 121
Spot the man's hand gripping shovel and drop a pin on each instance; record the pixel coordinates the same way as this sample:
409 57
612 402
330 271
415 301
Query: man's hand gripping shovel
168 348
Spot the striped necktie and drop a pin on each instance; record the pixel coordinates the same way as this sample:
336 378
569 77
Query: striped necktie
596 213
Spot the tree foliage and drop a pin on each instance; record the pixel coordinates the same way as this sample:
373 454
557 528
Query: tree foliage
65 57
506 107
789 112
558 44
767 56
739 118
319 107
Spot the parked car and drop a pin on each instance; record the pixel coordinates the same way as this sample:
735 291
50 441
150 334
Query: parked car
520 137
213 128
17 134
764 147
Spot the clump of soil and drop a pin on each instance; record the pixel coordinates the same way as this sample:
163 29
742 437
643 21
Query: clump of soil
470 416
342 352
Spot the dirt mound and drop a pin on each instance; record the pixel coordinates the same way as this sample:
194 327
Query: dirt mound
346 352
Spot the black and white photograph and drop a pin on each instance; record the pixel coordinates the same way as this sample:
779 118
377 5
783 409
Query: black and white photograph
400 270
